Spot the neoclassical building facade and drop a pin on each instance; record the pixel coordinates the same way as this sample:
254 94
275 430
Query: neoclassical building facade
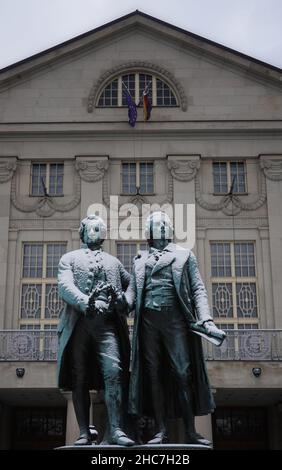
213 143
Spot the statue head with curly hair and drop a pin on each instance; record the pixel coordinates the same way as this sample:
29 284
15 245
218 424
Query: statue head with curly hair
92 231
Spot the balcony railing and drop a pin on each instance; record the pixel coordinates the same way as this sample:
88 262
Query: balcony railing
28 345
247 345
240 345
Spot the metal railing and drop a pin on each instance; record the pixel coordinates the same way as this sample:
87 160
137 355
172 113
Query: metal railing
28 345
247 345
240 345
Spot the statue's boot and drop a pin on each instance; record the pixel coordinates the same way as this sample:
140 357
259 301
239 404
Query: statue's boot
192 437
159 438
81 403
113 399
119 438
83 440
93 433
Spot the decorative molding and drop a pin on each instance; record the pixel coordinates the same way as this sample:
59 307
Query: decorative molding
231 204
136 65
170 188
46 206
272 168
92 171
183 170
264 233
36 224
105 191
7 169
241 223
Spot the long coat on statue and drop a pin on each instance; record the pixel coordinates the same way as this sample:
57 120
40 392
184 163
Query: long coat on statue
73 274
193 302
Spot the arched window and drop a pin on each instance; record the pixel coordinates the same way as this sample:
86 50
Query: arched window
160 93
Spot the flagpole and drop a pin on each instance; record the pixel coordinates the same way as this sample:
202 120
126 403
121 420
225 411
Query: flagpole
122 82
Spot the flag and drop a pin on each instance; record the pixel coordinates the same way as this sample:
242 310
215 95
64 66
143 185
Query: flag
132 111
147 105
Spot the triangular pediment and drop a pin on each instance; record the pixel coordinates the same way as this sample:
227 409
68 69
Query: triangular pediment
133 22
211 82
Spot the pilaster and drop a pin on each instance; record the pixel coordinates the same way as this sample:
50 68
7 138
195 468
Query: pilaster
183 169
92 170
7 169
271 165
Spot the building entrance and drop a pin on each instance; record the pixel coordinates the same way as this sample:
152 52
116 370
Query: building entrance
240 428
38 428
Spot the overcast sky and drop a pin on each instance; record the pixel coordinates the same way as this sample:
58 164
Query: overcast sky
253 27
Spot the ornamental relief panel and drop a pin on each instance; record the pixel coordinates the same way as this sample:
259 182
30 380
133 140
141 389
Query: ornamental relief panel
46 205
7 168
228 204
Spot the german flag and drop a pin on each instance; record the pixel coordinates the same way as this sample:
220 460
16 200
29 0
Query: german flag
147 105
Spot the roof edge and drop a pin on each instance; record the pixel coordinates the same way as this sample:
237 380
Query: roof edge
151 18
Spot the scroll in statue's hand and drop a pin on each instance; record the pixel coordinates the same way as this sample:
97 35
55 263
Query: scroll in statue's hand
213 330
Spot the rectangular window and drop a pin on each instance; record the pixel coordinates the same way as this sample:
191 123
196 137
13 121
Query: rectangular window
40 302
129 178
229 176
138 177
234 283
47 179
127 251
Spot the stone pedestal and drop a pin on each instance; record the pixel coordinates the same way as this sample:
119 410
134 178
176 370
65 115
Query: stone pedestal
157 448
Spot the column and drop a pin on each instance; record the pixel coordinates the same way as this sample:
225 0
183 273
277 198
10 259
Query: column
7 169
183 170
204 426
271 166
72 429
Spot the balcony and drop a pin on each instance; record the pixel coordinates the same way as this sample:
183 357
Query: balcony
28 345
240 345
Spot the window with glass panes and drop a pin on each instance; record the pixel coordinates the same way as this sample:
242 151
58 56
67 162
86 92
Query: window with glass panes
47 177
137 176
127 250
234 284
159 92
229 175
40 303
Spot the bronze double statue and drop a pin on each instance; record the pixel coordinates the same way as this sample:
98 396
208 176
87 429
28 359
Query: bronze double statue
168 375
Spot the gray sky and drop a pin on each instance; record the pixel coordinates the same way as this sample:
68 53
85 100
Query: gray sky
253 27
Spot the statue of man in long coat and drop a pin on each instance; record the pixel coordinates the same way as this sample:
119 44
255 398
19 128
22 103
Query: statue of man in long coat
168 375
94 347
